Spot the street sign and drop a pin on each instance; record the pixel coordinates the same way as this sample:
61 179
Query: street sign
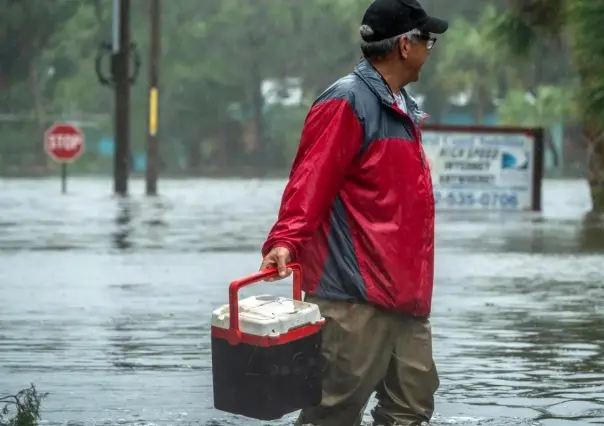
485 168
63 142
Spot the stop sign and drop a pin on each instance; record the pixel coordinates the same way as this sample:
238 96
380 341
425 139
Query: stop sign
64 142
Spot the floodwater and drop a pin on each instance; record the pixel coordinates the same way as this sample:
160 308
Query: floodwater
106 303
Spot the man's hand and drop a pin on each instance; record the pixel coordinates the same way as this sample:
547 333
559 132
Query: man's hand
279 257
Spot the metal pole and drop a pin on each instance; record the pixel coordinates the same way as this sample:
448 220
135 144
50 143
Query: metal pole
121 61
64 178
116 30
152 140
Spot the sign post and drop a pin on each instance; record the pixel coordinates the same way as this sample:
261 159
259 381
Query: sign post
64 143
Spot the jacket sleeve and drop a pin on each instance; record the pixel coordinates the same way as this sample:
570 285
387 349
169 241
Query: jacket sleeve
331 140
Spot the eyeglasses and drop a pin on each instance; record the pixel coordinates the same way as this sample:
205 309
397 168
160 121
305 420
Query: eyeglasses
430 41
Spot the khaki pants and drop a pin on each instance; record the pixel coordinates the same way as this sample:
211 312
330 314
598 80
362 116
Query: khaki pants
367 349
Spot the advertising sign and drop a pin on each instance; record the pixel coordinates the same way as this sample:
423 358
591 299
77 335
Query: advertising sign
484 169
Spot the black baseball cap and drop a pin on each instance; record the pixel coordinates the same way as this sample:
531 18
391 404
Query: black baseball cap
389 18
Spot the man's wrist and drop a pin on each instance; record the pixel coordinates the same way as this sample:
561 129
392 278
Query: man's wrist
283 244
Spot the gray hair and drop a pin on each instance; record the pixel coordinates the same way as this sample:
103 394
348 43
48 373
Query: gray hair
378 49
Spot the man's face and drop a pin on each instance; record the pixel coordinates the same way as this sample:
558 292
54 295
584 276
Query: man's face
415 53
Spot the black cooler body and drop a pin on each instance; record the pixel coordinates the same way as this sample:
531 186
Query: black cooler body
266 352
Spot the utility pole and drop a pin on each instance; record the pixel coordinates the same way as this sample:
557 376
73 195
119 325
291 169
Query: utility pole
152 140
121 75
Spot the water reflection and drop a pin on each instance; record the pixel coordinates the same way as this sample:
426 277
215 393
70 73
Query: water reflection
146 335
140 223
113 318
592 234
123 230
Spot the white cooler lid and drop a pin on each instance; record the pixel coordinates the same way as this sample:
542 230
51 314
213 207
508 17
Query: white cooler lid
268 315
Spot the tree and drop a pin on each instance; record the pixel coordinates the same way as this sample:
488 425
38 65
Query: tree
550 106
217 55
586 18
530 22
471 62
28 30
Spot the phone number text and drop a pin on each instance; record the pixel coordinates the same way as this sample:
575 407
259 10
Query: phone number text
476 199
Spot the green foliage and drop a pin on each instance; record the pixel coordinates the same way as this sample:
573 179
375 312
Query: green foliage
470 62
22 409
531 40
285 125
586 19
512 33
550 106
21 41
546 17
582 20
524 25
214 56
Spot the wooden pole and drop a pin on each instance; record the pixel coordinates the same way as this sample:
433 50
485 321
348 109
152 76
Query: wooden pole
121 61
64 178
152 139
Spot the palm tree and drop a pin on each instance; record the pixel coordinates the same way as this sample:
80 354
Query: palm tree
585 21
471 62
528 23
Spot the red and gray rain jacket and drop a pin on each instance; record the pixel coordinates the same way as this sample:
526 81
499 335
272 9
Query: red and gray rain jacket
358 210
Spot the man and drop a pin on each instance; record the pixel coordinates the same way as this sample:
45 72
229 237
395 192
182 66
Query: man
358 214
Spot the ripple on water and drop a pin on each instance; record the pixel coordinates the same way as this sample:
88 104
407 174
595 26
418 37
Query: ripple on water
106 302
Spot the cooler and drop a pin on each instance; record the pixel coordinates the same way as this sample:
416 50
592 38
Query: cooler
266 352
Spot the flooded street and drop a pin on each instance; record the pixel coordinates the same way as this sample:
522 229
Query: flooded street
106 303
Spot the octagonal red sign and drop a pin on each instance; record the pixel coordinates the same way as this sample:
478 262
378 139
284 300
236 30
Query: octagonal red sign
64 142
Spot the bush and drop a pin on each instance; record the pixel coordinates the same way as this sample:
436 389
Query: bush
22 409
284 127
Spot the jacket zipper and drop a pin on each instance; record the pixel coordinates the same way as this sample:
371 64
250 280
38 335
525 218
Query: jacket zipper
415 135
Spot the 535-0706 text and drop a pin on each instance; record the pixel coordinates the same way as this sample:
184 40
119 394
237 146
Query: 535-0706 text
476 199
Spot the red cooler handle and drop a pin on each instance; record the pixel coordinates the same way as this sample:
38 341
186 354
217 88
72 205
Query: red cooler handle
235 286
